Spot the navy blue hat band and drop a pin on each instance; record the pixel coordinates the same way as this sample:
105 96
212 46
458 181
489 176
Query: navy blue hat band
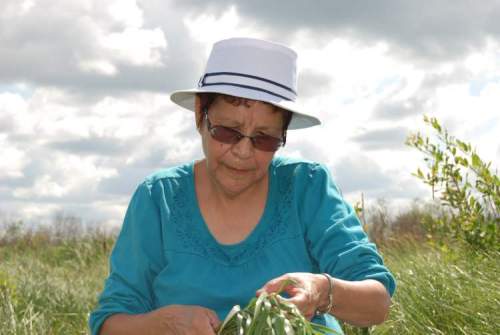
249 82
249 87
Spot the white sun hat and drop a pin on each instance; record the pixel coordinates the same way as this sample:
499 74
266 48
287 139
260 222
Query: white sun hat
253 69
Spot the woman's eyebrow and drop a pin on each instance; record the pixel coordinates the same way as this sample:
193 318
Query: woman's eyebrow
237 124
225 119
267 128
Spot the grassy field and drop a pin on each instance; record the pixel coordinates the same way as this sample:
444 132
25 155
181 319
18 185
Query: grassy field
48 288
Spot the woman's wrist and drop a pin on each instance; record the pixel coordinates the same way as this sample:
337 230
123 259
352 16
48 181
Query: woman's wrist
325 303
133 324
165 319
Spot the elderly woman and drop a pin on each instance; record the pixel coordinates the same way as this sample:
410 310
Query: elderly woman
201 237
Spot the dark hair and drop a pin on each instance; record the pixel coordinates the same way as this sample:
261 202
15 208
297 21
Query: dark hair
207 99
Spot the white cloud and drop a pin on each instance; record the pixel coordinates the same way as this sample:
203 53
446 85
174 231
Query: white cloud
45 186
35 212
359 77
27 5
135 46
126 12
59 151
132 45
76 41
473 119
82 122
69 176
12 160
208 28
11 101
102 66
484 62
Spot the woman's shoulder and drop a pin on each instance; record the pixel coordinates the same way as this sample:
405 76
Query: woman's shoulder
296 166
172 173
302 174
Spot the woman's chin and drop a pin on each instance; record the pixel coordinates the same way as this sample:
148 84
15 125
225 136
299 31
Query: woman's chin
234 182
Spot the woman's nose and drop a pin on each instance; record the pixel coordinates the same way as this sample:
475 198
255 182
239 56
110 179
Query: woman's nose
243 148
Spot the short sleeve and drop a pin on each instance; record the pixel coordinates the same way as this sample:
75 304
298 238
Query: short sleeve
135 261
334 234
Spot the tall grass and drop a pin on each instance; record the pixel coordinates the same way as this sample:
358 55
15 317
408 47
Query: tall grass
49 287
442 291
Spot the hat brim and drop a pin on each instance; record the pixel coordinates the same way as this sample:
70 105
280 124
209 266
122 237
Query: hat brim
185 98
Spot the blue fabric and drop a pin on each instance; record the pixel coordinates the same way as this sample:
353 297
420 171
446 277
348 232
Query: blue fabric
165 253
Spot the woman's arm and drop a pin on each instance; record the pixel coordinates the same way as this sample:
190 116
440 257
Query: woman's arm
125 324
170 320
361 303
362 285
135 261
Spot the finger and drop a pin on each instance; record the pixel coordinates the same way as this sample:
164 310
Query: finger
309 315
303 303
207 324
213 319
299 300
207 329
274 285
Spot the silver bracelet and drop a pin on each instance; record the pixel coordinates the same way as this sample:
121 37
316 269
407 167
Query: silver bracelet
327 309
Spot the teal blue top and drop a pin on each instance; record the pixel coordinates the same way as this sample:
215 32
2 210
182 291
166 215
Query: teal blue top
165 253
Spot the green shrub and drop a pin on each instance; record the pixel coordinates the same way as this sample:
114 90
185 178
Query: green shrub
466 186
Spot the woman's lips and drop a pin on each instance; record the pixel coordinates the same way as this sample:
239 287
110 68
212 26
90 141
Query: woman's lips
237 170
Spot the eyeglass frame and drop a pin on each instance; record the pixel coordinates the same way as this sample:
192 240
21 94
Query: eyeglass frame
238 135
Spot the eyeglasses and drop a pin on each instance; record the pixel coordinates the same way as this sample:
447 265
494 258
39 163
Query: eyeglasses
231 136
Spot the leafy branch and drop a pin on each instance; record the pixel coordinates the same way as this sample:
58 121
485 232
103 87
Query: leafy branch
465 184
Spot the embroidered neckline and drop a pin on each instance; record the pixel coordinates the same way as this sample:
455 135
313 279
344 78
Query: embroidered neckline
193 233
263 220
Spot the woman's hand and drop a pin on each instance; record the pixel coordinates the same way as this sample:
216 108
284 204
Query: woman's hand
188 320
309 291
168 320
360 303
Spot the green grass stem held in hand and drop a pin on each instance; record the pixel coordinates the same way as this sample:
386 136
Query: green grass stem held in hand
270 314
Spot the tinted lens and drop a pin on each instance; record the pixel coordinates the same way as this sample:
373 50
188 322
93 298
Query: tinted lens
232 136
266 142
225 135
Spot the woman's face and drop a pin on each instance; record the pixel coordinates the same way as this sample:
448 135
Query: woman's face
235 168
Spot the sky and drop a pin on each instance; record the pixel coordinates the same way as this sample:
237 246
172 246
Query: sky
85 113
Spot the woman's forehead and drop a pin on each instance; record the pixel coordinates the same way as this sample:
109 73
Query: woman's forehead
257 110
230 104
